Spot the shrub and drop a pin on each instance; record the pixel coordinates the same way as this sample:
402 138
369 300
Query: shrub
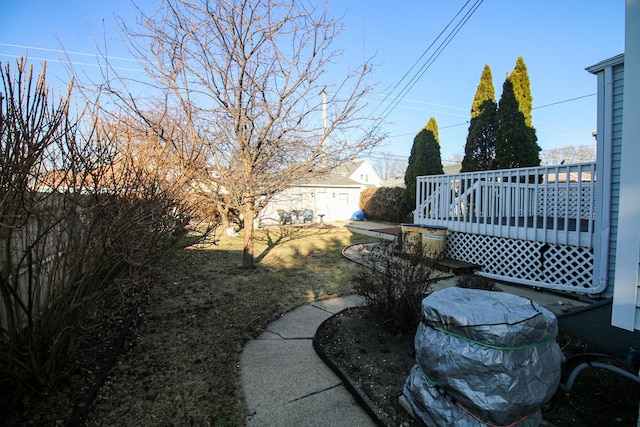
80 211
393 287
384 204
477 282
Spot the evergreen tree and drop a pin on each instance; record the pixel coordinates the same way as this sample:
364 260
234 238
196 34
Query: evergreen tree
516 143
522 89
479 151
434 158
516 140
425 159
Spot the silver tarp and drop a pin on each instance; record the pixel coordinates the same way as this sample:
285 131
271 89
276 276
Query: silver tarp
487 357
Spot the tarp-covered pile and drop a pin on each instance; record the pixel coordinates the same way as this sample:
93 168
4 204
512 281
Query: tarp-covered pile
483 358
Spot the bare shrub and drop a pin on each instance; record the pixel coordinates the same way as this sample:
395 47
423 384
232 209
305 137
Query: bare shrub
77 211
394 285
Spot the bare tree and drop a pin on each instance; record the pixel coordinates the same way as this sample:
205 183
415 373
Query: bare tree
569 154
251 81
388 165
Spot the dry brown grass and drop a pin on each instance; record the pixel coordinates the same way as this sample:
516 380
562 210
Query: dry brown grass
179 366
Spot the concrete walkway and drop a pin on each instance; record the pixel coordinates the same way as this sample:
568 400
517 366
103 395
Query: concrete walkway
284 381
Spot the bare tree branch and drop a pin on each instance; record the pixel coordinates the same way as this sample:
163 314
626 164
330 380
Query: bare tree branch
246 78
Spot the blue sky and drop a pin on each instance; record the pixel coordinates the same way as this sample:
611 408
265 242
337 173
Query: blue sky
557 40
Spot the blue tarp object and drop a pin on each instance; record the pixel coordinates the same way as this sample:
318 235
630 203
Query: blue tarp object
357 215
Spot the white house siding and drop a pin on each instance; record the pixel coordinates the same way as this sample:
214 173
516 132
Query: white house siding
335 203
296 198
365 174
334 195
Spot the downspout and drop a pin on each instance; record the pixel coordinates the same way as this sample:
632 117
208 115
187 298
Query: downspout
601 235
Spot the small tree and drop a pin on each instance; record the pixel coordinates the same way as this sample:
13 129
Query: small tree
434 158
393 287
516 141
425 159
249 79
480 147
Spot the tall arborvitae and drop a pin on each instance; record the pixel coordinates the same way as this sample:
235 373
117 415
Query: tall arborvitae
480 149
434 157
516 144
522 89
516 140
425 159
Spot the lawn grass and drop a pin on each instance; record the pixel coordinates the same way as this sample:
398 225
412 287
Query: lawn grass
180 364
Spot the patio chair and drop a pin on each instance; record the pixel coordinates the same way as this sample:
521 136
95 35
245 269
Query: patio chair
307 215
285 217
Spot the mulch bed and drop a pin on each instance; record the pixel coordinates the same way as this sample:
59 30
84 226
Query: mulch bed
374 364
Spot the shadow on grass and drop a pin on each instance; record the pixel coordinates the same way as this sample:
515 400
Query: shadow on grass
273 237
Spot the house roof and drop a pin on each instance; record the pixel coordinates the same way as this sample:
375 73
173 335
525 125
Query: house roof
108 176
348 168
615 60
339 177
396 181
329 180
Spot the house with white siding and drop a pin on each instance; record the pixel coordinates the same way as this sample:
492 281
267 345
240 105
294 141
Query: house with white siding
329 197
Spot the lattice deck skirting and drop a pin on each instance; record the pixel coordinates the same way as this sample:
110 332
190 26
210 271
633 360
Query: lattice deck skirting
559 267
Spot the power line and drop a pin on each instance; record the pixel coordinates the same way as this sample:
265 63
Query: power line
45 49
422 55
426 65
84 64
438 51
416 101
534 108
566 100
453 126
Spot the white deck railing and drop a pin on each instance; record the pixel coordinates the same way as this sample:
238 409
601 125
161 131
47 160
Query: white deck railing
550 204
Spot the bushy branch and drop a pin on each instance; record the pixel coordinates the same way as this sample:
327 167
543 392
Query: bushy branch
394 285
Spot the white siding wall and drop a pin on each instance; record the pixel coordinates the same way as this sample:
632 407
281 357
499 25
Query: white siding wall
293 198
335 203
366 174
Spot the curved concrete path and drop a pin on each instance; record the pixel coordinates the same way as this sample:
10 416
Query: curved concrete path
284 381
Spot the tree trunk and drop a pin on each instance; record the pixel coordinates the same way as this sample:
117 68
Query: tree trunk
247 252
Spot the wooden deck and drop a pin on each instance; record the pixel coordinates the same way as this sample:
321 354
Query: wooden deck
539 222
532 226
456 267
